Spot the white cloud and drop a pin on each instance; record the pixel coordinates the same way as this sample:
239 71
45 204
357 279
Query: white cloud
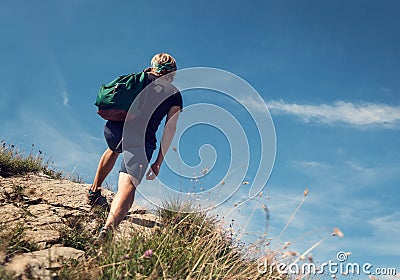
360 114
65 97
253 104
387 227
348 172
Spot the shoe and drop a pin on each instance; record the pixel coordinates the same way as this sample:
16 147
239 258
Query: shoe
103 234
95 198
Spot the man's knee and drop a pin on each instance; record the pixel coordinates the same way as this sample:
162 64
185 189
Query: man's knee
127 182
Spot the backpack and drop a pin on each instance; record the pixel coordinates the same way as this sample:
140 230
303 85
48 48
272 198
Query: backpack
115 98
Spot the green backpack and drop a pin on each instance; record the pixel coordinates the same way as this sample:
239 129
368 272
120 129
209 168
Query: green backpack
115 98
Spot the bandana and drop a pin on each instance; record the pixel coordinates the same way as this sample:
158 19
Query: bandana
160 67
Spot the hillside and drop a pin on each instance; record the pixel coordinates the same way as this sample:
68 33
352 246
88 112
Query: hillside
39 214
48 232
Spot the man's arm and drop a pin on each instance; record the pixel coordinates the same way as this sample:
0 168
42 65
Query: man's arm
167 136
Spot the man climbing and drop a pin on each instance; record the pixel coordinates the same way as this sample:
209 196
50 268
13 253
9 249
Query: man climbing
159 99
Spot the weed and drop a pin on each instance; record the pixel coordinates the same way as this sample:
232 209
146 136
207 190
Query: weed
5 275
14 162
78 239
80 232
75 233
13 241
76 178
52 173
189 244
99 214
16 194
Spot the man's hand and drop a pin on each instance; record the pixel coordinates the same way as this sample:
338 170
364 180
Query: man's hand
166 139
153 171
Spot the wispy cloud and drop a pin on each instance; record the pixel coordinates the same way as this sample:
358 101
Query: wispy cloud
387 228
253 104
65 97
357 114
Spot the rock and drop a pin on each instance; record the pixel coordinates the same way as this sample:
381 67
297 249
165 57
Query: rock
57 254
48 236
2 257
24 265
145 220
145 223
39 264
42 206
10 213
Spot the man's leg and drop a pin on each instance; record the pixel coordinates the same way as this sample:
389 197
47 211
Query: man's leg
106 164
123 200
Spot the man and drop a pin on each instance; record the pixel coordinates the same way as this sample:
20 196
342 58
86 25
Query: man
158 100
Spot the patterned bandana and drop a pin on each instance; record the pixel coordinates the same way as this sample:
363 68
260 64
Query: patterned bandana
160 67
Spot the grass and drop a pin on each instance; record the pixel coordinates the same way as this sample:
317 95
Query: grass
78 239
77 234
13 241
189 245
5 275
14 162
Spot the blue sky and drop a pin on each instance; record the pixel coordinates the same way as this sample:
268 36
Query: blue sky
328 71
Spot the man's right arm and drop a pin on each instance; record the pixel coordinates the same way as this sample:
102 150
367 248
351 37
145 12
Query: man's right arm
167 136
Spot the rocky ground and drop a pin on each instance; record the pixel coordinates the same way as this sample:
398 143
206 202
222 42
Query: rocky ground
42 206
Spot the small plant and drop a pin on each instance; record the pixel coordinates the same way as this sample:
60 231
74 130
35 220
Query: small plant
13 241
52 173
18 190
189 245
100 215
76 178
192 222
78 239
80 232
75 233
14 162
16 194
6 275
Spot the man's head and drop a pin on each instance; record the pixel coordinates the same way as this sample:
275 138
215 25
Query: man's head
162 64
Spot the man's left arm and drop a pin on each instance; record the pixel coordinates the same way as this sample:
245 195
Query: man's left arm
167 136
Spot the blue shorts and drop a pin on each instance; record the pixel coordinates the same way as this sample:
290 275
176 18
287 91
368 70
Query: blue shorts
113 134
136 159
